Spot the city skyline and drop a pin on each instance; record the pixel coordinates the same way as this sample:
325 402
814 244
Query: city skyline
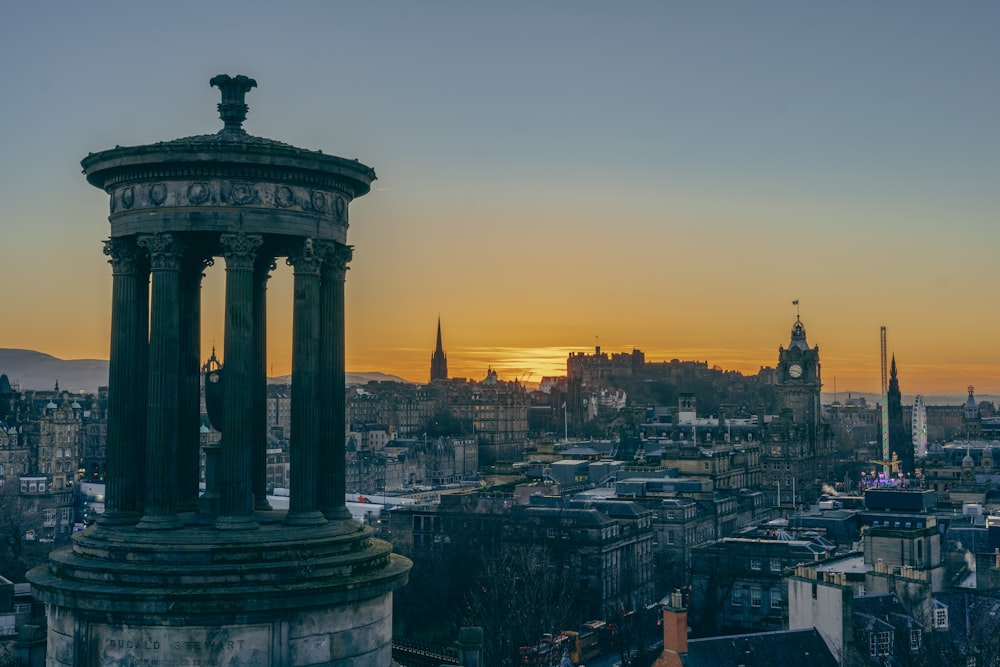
665 177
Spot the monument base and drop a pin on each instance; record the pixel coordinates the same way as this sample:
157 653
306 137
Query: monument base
279 596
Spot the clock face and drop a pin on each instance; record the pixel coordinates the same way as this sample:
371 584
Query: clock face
795 371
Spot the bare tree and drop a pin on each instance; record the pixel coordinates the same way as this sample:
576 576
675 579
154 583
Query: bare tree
19 519
519 594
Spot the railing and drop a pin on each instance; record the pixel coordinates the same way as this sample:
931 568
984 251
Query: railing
416 653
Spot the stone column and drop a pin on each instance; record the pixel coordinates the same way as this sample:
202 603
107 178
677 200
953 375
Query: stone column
127 382
303 503
332 397
189 419
235 490
262 273
160 511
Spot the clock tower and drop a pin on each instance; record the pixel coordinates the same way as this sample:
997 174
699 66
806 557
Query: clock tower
799 453
798 378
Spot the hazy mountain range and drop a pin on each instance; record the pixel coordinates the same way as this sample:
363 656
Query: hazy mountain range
39 371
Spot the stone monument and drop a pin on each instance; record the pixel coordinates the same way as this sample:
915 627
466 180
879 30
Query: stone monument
164 577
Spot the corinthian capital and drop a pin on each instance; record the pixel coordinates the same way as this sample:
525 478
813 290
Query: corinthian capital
240 250
165 252
125 256
306 259
336 256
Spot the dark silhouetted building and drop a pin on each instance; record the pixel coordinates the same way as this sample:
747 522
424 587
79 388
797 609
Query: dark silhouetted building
439 360
900 437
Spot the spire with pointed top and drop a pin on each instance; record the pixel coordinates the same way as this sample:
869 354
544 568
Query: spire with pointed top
439 361
900 437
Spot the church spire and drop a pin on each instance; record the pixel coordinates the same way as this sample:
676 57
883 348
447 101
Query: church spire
439 361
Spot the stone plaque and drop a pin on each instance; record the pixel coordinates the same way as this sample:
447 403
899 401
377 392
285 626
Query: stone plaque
181 646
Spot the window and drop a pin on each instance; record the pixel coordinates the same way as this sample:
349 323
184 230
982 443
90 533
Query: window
755 564
941 618
737 597
775 565
755 597
670 537
883 644
775 599
915 640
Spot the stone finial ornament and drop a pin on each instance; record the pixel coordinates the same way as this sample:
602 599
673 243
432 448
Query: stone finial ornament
233 108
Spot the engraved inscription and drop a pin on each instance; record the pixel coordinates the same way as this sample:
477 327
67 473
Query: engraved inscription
181 646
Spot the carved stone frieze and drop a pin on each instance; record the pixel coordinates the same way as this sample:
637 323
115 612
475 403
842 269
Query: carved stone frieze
198 193
184 193
157 194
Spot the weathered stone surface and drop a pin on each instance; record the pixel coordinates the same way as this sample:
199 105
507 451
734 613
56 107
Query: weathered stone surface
158 583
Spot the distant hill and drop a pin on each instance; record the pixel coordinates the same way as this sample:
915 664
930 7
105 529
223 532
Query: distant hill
39 371
350 378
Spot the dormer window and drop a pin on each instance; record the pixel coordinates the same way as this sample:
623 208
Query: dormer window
941 618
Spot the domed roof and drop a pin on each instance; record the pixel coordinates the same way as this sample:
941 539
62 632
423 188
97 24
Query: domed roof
231 149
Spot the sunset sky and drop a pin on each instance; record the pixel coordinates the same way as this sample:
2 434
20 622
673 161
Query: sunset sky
667 176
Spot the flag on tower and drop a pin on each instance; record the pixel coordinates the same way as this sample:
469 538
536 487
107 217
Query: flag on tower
795 303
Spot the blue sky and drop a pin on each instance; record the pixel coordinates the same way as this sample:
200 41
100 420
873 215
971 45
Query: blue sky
664 175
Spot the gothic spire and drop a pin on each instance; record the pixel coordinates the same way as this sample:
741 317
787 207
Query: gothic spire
439 361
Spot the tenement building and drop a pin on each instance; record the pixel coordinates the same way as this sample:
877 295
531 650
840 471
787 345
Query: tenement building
170 577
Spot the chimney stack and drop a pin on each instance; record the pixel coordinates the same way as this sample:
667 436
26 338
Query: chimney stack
675 635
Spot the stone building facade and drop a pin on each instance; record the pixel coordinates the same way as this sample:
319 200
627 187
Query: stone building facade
738 583
607 545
